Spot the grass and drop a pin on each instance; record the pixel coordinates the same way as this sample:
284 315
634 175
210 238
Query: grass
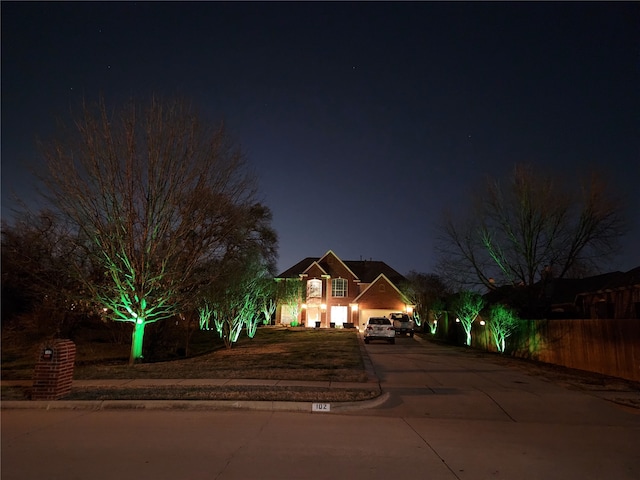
274 353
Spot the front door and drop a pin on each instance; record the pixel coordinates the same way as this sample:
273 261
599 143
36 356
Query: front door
339 315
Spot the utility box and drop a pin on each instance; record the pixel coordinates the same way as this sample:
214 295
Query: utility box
53 375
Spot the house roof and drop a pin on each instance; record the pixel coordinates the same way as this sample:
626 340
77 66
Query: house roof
565 290
381 278
366 270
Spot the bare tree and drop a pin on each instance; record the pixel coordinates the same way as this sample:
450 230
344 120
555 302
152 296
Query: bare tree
36 278
290 293
424 290
438 310
236 305
237 298
467 307
268 299
154 194
503 321
530 229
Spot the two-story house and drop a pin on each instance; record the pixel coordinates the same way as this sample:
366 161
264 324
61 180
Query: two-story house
339 293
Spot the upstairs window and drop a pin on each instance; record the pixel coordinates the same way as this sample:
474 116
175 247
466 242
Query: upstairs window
314 288
339 287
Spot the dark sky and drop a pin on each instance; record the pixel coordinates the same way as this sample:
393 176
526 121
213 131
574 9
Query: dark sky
363 120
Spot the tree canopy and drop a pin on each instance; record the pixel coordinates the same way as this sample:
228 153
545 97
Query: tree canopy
530 228
427 292
156 196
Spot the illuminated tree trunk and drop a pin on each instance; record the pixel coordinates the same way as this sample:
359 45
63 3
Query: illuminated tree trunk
137 338
252 325
499 340
467 330
467 307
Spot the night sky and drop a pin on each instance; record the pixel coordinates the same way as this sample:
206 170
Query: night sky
363 121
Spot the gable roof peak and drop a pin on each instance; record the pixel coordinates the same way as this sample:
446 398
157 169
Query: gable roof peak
316 264
363 270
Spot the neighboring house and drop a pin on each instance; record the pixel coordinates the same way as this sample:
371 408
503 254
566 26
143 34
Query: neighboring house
337 293
610 295
616 297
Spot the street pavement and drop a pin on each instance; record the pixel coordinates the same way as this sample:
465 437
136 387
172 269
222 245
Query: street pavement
442 414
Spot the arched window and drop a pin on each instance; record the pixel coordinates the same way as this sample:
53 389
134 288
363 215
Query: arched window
314 288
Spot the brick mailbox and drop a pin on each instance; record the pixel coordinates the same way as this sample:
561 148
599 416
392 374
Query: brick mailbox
53 375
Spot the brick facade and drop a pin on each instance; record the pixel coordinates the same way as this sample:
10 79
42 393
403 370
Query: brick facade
53 376
369 285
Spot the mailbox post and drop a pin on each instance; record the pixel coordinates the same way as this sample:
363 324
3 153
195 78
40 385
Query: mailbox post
53 374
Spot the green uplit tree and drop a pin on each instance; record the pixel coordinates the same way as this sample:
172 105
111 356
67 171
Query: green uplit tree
503 321
205 315
438 311
423 290
237 297
531 228
154 194
290 293
236 304
267 300
467 306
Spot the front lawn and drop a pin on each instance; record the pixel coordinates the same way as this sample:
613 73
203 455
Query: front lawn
274 353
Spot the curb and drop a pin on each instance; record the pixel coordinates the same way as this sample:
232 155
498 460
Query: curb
192 405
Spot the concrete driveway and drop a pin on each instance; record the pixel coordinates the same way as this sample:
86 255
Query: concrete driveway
428 380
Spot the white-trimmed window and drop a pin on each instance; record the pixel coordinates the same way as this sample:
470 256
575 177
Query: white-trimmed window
314 288
339 287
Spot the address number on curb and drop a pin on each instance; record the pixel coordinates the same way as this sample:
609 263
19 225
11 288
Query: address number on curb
320 407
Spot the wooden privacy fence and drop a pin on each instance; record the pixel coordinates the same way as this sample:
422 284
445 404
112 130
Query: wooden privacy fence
606 346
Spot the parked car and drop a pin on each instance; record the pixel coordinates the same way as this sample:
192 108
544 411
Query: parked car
402 323
379 328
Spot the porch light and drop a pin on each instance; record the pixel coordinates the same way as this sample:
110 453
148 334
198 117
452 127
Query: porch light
457 320
409 309
304 306
323 306
354 307
482 322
